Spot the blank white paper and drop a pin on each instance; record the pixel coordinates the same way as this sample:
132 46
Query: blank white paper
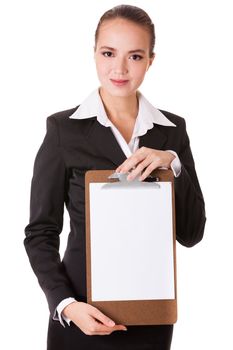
131 237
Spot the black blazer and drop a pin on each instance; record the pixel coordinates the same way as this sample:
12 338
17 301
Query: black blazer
71 147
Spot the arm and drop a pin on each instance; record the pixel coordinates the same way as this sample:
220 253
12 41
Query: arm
46 219
48 194
189 201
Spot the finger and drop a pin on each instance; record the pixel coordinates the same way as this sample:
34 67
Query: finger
133 160
123 165
102 328
132 163
114 329
138 170
148 171
105 329
98 328
102 318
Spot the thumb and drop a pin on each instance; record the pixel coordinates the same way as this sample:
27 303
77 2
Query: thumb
103 318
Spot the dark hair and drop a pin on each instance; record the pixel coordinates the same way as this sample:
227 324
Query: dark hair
131 13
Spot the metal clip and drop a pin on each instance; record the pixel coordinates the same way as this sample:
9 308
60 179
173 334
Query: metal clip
122 177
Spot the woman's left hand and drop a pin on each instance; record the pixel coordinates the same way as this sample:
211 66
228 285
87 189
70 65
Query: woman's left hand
145 159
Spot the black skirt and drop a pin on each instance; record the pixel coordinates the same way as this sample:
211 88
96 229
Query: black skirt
135 338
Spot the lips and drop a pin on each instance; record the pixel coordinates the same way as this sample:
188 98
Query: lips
119 82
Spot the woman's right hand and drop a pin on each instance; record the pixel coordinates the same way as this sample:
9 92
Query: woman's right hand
90 320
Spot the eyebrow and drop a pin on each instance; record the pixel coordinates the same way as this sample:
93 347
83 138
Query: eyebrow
112 49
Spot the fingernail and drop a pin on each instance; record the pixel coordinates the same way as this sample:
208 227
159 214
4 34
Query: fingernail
125 329
112 323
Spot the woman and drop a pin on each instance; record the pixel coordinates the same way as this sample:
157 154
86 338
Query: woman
114 128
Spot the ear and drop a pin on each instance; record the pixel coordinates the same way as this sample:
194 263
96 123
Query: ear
151 59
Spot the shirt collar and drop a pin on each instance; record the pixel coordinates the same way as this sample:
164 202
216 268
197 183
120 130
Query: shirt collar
93 106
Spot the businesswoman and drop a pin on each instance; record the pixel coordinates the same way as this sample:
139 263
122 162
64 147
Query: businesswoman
117 128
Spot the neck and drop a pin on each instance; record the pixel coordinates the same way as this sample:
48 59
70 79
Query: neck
119 107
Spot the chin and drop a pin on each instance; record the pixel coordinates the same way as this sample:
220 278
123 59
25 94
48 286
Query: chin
119 91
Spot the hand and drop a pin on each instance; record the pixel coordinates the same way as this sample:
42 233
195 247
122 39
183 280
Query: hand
145 158
90 320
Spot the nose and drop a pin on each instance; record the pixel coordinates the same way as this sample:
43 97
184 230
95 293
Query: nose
120 66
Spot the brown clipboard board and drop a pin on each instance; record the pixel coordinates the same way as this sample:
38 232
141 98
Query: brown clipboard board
132 312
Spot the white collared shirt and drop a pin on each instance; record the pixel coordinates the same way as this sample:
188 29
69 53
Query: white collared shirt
147 116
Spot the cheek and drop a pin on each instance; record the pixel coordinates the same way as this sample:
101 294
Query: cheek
139 71
102 68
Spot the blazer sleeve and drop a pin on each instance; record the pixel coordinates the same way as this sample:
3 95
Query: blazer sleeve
189 201
46 218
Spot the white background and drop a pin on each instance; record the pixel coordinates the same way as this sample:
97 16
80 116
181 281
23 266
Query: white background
46 66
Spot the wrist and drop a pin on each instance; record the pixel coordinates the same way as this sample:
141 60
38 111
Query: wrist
67 311
171 157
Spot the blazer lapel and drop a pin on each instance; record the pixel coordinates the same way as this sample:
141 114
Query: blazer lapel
102 139
154 138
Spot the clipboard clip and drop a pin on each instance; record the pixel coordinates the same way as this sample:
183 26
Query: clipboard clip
122 177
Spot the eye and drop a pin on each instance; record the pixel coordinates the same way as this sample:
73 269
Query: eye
136 57
109 53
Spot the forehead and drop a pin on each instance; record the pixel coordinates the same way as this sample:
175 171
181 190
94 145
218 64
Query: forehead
121 32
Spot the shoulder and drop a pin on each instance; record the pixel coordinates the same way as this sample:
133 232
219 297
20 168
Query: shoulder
63 123
175 134
59 123
62 116
68 130
174 118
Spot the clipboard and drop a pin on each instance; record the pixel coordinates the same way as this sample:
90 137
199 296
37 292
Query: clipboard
131 247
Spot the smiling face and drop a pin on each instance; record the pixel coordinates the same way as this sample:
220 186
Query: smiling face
122 56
